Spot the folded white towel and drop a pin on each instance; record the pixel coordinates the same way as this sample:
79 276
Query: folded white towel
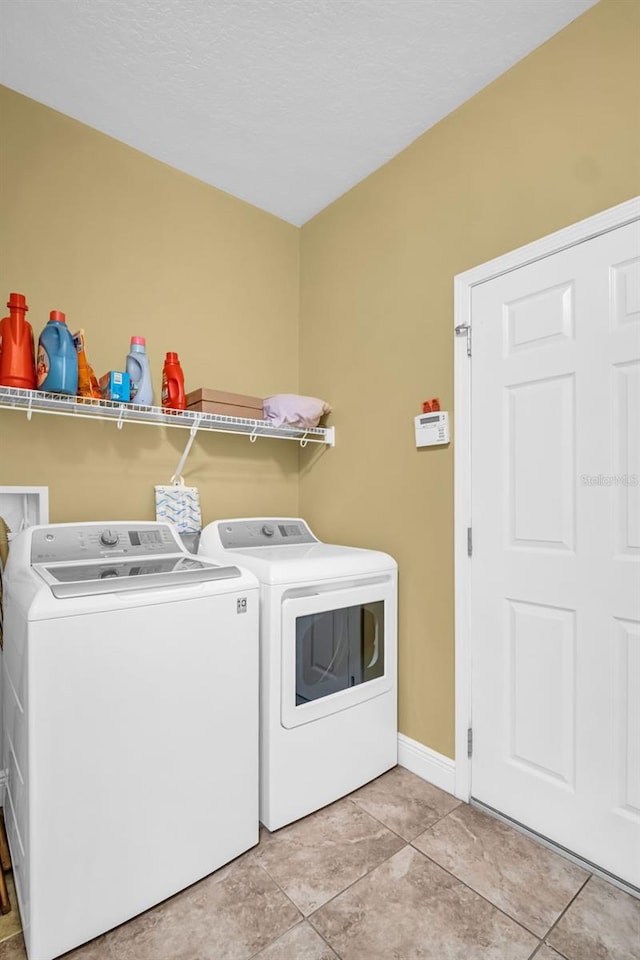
295 411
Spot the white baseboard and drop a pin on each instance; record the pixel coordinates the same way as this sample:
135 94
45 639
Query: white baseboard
433 767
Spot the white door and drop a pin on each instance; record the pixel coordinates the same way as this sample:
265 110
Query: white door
555 575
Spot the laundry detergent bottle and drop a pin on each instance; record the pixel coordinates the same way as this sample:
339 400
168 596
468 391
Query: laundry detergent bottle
57 366
173 395
137 366
17 368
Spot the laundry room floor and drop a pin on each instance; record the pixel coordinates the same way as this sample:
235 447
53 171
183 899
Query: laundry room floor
399 870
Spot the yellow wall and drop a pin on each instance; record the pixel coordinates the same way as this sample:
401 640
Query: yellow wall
126 245
550 142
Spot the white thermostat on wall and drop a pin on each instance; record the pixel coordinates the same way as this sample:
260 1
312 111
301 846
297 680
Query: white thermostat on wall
432 429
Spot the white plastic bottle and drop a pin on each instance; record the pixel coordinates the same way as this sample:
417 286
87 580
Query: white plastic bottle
139 373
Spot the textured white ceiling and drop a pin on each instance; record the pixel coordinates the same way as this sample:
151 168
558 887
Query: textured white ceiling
284 103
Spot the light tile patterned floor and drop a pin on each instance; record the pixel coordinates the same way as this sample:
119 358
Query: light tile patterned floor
397 871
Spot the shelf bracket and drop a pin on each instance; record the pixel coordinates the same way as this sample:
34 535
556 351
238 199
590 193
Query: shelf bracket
304 441
29 409
183 459
120 418
254 435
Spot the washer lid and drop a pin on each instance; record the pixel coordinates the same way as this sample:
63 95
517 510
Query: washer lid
117 576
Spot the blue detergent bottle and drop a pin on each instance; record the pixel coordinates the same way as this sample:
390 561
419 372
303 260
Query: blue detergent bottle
137 366
57 363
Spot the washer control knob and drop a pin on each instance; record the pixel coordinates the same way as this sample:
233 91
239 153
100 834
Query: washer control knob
268 530
109 538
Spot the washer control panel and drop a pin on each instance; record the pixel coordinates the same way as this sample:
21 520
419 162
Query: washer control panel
94 541
270 532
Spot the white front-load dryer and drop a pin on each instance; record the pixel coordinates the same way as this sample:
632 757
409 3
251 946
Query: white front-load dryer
130 690
328 661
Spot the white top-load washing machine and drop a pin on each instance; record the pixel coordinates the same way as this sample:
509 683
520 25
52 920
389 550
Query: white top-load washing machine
328 652
130 723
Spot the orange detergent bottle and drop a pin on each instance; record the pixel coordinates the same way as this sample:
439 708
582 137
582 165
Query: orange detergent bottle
17 363
173 395
87 382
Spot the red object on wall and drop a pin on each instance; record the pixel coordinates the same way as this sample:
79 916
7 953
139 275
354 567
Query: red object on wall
173 395
431 406
17 357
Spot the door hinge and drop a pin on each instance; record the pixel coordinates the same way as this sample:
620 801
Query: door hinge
469 542
464 330
469 742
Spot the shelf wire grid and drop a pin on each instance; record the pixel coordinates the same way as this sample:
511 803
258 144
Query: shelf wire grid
35 401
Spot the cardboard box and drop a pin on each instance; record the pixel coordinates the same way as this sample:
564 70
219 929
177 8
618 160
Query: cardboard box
115 385
225 404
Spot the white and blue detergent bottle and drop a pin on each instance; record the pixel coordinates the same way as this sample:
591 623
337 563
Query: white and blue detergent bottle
137 367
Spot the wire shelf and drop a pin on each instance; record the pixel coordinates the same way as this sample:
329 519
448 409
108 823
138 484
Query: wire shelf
35 401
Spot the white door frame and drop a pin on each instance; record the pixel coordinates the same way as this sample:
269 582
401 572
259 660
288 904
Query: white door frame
603 222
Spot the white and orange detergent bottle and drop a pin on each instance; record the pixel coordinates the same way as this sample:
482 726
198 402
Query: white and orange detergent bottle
137 366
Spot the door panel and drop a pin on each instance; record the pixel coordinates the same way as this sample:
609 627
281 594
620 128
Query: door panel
555 584
627 695
540 318
625 292
541 426
626 398
540 661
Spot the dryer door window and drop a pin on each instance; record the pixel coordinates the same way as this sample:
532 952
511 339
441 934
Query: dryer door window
338 649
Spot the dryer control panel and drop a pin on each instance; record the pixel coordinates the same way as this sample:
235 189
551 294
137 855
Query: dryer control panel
265 532
94 541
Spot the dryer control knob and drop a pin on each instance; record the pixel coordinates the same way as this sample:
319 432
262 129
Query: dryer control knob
109 538
267 530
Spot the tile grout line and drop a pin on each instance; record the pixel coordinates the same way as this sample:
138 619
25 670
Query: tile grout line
404 839
302 919
308 917
537 950
324 939
495 905
557 921
298 924
282 890
335 897
435 863
500 909
469 887
353 882
406 843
